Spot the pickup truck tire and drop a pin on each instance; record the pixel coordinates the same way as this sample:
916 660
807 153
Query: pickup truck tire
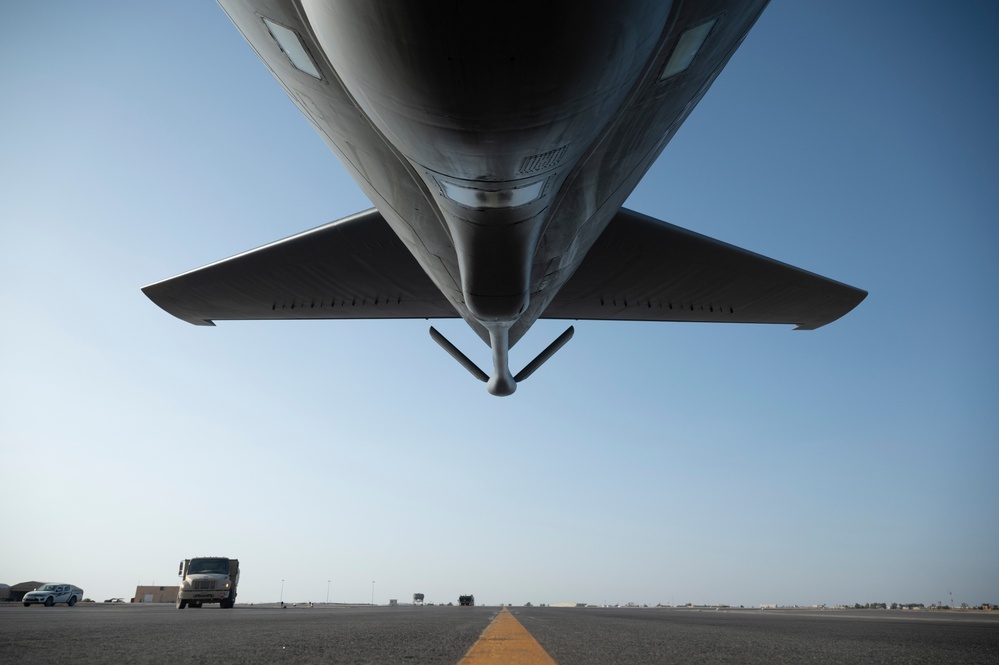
50 601
72 601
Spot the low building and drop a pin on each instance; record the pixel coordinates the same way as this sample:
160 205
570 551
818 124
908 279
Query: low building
16 592
155 594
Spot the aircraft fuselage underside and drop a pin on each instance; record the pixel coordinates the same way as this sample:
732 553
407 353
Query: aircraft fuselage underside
497 144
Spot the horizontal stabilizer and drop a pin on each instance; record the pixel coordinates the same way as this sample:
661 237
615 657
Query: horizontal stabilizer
643 269
354 268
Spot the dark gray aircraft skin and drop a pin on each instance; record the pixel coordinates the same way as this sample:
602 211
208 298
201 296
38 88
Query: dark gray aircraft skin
498 142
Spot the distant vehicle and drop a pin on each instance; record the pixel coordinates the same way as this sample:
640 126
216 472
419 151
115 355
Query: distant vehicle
466 600
115 600
208 580
50 594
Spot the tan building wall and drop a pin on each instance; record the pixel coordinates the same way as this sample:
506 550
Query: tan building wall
155 594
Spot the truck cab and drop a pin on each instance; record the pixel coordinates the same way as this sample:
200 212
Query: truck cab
208 580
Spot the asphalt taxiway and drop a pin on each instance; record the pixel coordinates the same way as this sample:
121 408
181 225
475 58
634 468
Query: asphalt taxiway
104 633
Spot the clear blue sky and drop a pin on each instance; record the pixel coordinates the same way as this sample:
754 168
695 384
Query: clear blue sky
645 462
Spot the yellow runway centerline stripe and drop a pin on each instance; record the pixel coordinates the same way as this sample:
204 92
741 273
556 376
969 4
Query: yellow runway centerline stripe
505 640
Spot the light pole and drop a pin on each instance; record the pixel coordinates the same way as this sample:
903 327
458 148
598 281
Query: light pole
328 591
372 592
282 591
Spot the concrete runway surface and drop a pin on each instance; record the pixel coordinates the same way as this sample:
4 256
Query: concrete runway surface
102 633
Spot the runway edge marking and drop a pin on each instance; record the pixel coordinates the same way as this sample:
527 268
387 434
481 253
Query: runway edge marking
505 640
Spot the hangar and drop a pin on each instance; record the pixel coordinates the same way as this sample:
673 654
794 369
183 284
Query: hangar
15 594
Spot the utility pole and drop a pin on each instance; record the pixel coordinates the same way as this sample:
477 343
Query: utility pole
328 591
372 592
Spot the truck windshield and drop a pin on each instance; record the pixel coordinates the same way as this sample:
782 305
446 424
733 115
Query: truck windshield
208 566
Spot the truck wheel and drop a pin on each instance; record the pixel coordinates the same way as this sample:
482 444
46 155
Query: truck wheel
27 604
72 601
181 604
50 601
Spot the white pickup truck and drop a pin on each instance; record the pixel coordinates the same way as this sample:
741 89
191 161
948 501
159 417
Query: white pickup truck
50 594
